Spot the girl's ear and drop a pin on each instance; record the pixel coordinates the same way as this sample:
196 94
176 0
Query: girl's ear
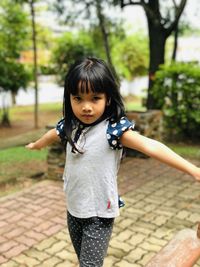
108 102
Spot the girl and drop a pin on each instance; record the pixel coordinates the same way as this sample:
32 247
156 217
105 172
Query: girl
95 129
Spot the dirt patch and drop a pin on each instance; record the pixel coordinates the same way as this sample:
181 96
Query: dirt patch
26 123
21 175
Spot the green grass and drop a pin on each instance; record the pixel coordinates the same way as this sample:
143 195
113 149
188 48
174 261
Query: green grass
134 106
19 164
22 139
186 151
21 154
42 107
133 103
17 113
20 167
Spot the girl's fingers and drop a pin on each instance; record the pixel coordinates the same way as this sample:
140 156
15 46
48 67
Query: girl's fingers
197 174
30 146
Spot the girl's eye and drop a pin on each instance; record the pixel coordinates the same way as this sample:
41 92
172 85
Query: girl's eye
96 98
77 98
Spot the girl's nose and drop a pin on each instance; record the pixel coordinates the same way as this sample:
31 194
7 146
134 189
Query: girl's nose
87 107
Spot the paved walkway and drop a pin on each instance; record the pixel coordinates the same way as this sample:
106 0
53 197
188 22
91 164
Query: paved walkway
159 202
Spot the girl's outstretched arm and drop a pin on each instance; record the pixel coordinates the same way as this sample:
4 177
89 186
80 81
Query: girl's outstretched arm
47 139
158 151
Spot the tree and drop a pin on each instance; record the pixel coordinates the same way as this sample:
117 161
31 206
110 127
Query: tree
102 25
12 42
69 48
183 27
35 70
31 4
87 8
162 21
131 56
12 31
13 76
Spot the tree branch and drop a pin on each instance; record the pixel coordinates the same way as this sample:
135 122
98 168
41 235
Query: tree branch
152 11
123 4
178 11
174 2
142 3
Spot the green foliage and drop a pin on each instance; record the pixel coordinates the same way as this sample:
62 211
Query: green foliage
116 35
13 32
177 91
69 48
129 53
13 75
13 35
46 69
130 56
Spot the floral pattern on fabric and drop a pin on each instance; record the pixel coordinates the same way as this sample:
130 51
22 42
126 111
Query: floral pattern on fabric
115 131
60 130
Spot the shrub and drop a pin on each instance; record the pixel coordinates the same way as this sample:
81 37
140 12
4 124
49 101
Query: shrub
68 49
177 91
130 56
13 76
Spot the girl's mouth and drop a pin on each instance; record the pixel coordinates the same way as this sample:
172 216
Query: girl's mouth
87 116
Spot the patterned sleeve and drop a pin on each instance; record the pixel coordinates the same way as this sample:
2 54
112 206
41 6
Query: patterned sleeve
60 130
115 131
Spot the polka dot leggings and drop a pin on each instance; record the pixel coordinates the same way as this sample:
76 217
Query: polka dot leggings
90 238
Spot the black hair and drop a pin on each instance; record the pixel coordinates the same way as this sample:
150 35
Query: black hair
91 74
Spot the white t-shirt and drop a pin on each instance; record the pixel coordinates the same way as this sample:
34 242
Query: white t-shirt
90 179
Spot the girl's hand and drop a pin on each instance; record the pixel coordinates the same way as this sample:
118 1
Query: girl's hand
47 139
196 174
32 146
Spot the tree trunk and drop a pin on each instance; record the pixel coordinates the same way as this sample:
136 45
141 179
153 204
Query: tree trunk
103 30
35 61
158 35
175 44
13 95
5 121
157 41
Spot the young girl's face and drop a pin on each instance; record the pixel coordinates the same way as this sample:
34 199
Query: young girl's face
88 107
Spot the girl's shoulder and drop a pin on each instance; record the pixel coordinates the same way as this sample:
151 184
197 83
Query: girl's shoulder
116 129
60 129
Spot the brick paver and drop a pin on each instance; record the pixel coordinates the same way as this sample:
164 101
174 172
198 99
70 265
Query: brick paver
159 202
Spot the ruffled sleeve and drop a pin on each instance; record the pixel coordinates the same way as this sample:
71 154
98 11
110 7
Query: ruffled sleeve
115 131
60 130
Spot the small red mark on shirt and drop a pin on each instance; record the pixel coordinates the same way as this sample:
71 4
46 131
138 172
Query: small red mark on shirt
109 204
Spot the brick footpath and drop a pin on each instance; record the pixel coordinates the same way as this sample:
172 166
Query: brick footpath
160 201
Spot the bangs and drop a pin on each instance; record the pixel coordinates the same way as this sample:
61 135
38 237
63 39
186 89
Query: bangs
88 78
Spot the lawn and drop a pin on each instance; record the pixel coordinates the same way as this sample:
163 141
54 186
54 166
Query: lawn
133 103
186 151
20 167
18 112
21 154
